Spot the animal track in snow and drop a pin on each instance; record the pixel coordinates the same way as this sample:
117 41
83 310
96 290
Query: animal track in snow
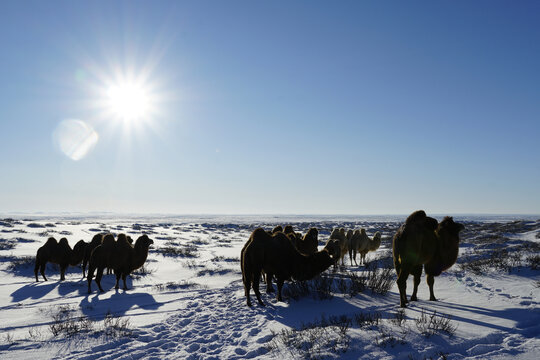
210 327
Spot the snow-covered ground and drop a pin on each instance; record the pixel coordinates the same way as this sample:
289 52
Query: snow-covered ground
188 302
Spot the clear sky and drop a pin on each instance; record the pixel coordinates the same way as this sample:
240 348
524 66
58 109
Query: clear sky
274 107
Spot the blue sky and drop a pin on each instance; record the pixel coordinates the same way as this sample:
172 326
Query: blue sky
304 107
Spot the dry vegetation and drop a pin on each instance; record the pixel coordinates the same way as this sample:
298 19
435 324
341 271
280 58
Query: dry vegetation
493 247
331 335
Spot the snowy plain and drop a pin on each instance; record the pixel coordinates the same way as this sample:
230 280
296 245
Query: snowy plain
188 301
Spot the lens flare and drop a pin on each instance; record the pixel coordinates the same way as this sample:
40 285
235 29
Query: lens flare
128 101
75 138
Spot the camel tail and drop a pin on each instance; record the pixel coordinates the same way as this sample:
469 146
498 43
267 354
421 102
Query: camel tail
397 249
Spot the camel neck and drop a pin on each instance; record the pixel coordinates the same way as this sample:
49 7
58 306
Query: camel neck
141 254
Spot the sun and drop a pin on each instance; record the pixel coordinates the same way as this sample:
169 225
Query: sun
129 101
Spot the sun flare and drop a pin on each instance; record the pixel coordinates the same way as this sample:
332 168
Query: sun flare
129 101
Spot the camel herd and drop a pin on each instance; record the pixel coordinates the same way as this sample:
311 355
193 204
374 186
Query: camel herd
420 243
104 251
281 254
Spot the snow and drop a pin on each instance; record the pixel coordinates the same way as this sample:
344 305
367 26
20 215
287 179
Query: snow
194 306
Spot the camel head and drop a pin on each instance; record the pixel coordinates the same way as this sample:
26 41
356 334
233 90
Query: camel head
78 252
292 237
288 229
144 241
449 227
316 264
333 248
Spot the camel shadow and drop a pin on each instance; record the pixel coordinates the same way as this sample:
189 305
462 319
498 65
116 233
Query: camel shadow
68 287
118 304
525 320
34 290
307 309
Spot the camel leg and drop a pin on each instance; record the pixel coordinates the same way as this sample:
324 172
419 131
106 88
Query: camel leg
247 286
117 274
430 281
124 276
256 279
42 271
402 285
99 275
269 287
63 272
89 279
36 268
84 269
416 271
279 287
246 280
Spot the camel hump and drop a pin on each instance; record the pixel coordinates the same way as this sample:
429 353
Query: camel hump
276 229
122 239
80 248
283 241
417 216
108 241
122 243
313 232
80 242
51 242
259 233
97 239
421 219
64 244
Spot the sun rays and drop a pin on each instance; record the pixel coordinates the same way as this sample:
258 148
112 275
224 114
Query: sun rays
129 101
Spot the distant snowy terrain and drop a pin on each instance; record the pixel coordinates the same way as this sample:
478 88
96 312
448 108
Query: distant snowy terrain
188 300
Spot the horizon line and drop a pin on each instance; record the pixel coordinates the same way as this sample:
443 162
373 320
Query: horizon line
171 214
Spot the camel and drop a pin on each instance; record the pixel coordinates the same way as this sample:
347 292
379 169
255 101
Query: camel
58 253
119 255
422 242
358 244
339 234
277 256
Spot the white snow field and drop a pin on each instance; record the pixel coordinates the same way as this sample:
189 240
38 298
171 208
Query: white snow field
188 301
